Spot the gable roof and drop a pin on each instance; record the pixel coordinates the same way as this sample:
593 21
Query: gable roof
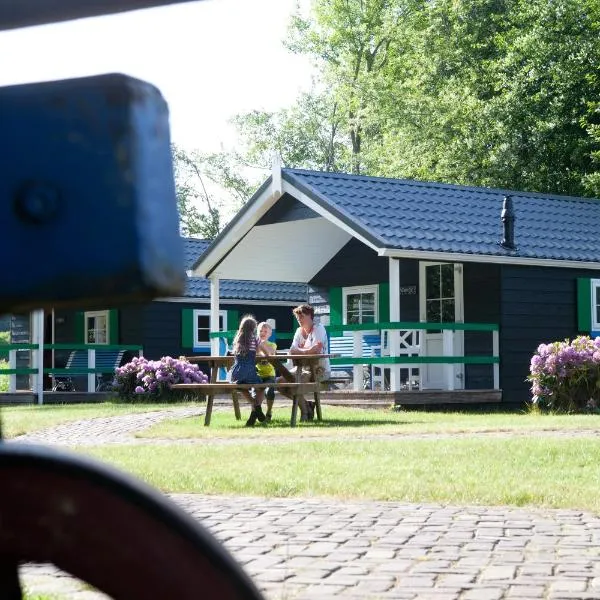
396 218
193 248
434 217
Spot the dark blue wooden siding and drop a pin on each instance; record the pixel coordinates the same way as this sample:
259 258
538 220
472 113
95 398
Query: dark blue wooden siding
354 264
161 335
538 305
481 293
287 208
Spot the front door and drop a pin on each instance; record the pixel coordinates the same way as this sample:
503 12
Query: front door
440 301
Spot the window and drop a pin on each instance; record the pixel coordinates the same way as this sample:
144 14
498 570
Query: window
202 327
440 293
97 327
596 304
360 305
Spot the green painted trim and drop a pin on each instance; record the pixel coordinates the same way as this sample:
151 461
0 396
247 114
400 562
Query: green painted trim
584 305
77 371
336 306
338 329
22 371
384 301
417 360
113 326
6 347
79 328
230 334
187 328
233 318
92 347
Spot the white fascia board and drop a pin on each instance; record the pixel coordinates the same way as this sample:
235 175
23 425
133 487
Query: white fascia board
302 197
483 258
239 229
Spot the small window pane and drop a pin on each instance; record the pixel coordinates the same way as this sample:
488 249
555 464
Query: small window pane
447 277
433 311
433 281
448 314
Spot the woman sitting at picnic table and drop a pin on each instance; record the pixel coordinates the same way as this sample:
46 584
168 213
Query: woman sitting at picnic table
310 338
245 345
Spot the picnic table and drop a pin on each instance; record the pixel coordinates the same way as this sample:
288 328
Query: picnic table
296 386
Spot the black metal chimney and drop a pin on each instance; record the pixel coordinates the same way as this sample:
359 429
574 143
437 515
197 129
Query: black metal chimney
508 222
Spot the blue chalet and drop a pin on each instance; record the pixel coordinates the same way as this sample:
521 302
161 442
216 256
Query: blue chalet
459 284
170 326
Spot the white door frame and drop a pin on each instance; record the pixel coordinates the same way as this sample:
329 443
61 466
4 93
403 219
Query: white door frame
432 375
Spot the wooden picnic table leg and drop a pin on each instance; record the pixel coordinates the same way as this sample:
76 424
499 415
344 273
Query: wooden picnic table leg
317 394
236 405
210 397
295 395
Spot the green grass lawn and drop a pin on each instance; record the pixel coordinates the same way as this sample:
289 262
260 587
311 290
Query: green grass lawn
550 472
334 459
17 420
351 422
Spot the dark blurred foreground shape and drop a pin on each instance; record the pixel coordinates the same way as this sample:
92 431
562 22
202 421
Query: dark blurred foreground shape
89 215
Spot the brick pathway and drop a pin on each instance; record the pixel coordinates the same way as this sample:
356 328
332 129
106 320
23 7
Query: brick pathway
320 548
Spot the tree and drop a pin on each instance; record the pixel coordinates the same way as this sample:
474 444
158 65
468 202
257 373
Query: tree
307 135
498 92
205 185
352 42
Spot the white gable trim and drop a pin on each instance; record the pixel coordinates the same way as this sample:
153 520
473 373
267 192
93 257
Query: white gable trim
482 258
255 210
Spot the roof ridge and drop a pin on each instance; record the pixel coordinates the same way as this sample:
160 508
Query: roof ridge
441 185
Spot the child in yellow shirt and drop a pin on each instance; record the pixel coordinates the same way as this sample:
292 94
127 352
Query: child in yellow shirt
264 369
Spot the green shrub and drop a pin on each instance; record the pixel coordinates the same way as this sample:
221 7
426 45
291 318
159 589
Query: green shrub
143 380
565 376
3 378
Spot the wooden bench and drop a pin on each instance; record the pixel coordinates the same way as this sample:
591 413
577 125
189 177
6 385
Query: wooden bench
210 389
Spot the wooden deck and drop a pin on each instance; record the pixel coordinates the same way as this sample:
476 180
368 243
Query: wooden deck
411 398
363 398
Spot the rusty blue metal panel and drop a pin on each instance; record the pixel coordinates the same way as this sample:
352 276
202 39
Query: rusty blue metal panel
87 198
24 13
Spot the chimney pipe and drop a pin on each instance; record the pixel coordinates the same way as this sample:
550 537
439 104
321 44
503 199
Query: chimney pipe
508 221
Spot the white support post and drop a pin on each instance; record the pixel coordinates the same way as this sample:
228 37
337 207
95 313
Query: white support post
214 314
357 370
394 334
448 349
12 364
496 353
91 378
37 355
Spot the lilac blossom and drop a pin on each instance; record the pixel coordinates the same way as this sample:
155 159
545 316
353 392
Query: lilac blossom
153 377
565 370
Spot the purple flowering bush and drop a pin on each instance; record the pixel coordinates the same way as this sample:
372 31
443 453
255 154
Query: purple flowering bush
565 376
151 380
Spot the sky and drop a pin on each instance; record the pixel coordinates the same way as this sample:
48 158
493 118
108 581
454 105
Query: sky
211 59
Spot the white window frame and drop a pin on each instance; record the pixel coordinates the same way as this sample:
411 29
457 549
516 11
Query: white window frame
94 314
595 301
205 312
359 289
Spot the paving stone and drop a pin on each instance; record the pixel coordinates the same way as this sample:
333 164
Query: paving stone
317 548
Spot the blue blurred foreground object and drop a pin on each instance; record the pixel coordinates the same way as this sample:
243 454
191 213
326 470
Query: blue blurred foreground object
87 196
22 13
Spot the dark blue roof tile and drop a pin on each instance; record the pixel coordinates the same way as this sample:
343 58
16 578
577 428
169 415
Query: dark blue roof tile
193 248
230 289
435 217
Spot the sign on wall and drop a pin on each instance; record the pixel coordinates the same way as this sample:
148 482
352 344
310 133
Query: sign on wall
318 298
